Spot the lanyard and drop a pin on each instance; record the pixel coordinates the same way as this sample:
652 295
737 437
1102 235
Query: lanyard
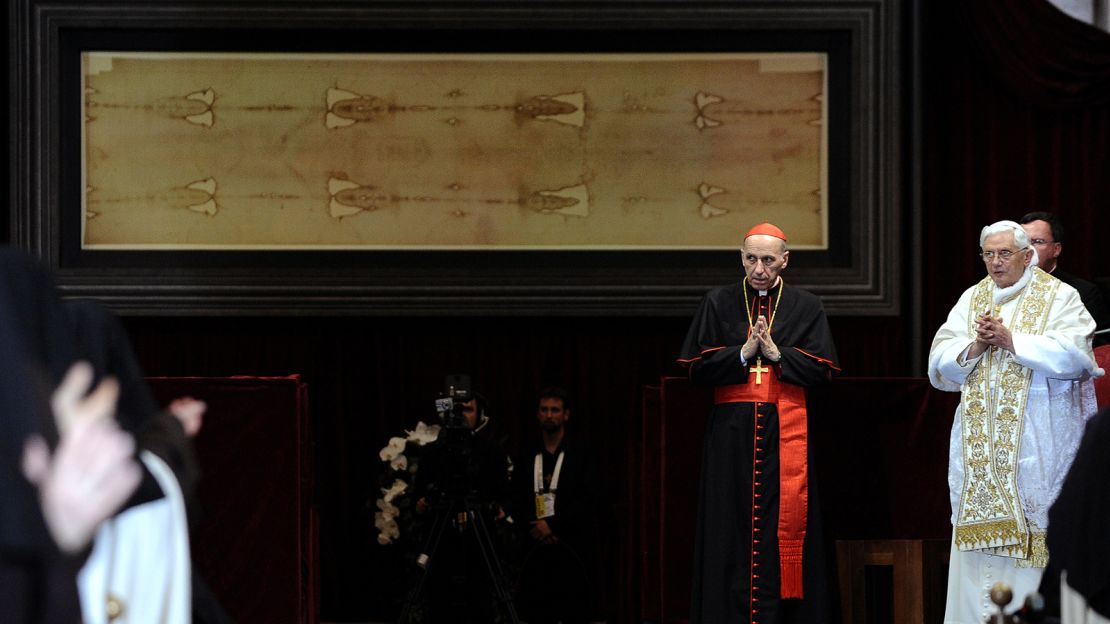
538 472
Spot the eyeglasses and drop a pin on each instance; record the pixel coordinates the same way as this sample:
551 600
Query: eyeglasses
1039 241
1004 255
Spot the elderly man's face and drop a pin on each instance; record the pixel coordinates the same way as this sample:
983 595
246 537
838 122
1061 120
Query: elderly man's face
1005 272
764 257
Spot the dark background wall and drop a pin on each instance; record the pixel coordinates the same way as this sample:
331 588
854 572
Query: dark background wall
1013 101
1015 108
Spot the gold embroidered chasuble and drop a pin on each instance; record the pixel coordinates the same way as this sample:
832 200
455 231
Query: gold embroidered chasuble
990 515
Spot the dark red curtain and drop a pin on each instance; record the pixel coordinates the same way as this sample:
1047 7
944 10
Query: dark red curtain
1016 118
1040 54
253 533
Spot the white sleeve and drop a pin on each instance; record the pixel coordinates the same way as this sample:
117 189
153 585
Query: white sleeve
1063 351
947 367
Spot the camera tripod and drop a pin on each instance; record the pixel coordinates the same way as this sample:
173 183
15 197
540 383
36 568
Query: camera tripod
460 510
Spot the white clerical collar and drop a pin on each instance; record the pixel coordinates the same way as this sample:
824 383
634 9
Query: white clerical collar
763 293
1002 294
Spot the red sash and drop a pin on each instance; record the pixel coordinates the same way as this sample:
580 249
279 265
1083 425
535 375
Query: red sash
793 485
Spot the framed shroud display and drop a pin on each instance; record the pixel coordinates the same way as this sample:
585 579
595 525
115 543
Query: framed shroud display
455 158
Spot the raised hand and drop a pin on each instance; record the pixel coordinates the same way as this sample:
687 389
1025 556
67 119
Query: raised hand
93 469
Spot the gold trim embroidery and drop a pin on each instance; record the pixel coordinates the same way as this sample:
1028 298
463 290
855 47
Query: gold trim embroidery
1035 551
1038 552
990 516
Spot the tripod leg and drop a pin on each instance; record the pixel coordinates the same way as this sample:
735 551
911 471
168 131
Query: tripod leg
426 558
493 566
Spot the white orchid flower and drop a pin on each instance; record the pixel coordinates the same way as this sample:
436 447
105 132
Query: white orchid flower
395 490
392 530
387 508
423 434
386 523
387 528
395 447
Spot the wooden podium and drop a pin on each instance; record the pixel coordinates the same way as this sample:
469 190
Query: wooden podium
255 539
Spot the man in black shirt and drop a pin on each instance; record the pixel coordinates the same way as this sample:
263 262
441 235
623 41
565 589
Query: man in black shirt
1046 233
555 507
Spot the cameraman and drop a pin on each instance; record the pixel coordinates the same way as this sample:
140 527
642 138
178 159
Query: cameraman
462 482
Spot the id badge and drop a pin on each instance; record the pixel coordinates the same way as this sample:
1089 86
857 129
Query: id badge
545 505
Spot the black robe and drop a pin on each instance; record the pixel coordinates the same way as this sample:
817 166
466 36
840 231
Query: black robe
1078 521
40 338
729 584
1092 297
37 581
103 342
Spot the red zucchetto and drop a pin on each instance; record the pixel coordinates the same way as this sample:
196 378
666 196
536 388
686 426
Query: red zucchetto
768 229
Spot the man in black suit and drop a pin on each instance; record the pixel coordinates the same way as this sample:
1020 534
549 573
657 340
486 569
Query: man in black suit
1047 235
556 507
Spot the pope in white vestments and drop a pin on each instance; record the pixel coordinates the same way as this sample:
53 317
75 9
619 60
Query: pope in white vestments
1017 346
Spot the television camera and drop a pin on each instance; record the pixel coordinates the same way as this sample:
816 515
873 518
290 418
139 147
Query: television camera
460 504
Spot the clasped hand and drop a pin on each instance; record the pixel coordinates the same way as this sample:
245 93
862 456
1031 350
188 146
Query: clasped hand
759 341
541 532
990 332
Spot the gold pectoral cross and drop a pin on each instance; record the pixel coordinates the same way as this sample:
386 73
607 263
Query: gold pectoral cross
759 369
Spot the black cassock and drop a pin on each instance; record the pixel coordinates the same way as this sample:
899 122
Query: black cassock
738 510
38 583
40 338
1077 524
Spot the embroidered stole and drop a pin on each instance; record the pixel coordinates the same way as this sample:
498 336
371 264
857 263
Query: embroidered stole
990 516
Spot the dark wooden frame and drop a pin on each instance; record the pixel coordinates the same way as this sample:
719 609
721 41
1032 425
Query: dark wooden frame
857 275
